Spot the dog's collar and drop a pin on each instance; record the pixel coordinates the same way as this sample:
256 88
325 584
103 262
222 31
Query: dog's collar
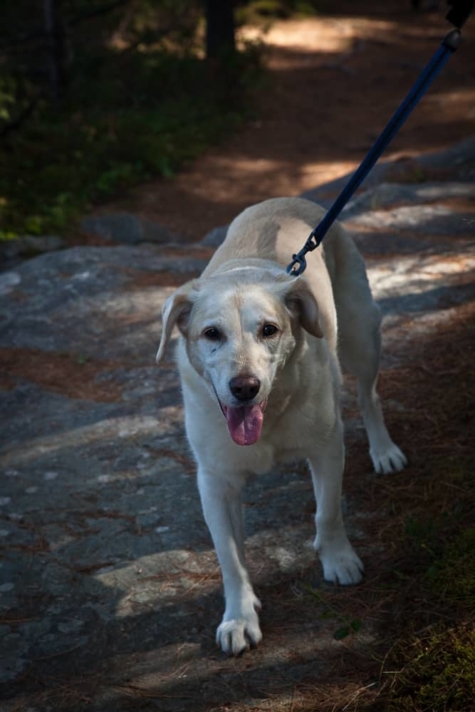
276 270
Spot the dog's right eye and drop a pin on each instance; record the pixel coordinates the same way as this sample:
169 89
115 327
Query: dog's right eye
212 334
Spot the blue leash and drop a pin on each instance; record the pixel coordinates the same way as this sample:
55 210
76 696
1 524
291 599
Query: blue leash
449 44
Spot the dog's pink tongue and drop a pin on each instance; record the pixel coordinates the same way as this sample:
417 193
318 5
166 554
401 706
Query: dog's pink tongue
245 423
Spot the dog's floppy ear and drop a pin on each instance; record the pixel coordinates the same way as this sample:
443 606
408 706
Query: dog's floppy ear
301 302
176 310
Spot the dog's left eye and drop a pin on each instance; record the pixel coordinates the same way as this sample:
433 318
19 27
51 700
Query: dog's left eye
269 330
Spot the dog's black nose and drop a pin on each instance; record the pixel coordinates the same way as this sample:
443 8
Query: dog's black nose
244 388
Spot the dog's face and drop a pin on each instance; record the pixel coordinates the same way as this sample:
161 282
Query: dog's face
240 332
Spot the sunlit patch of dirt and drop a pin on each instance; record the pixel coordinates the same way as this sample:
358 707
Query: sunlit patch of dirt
314 34
463 206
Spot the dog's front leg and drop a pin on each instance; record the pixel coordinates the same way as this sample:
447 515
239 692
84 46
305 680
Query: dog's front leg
340 562
222 507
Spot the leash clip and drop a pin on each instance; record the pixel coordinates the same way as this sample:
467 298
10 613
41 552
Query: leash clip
299 259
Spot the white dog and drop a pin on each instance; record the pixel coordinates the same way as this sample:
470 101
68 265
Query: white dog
259 357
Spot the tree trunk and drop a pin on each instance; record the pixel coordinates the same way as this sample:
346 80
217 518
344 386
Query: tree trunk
57 50
220 30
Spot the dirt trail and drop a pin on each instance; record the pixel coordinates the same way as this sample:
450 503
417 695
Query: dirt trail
333 83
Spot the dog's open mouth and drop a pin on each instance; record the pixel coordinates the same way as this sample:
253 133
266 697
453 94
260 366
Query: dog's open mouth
244 422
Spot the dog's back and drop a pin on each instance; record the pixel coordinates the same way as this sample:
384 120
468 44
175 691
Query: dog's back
272 231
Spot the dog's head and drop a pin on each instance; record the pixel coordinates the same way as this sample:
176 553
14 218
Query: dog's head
239 333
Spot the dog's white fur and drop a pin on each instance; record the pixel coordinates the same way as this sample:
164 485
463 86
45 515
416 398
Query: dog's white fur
244 287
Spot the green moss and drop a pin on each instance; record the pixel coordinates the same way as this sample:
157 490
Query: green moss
436 673
453 575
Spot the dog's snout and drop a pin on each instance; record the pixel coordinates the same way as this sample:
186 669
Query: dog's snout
244 388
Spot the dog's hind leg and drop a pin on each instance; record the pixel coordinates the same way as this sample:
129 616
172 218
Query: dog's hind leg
340 562
387 457
222 507
359 350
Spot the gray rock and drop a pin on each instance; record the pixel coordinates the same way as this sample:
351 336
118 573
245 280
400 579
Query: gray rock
216 237
8 282
72 300
430 219
459 159
128 229
12 251
388 195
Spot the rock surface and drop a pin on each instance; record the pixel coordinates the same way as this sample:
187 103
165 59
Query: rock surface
109 588
128 229
13 251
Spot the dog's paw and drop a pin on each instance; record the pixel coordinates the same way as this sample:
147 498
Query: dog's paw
387 460
340 563
240 630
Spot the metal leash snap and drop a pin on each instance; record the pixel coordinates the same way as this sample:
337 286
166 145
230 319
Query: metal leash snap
299 260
